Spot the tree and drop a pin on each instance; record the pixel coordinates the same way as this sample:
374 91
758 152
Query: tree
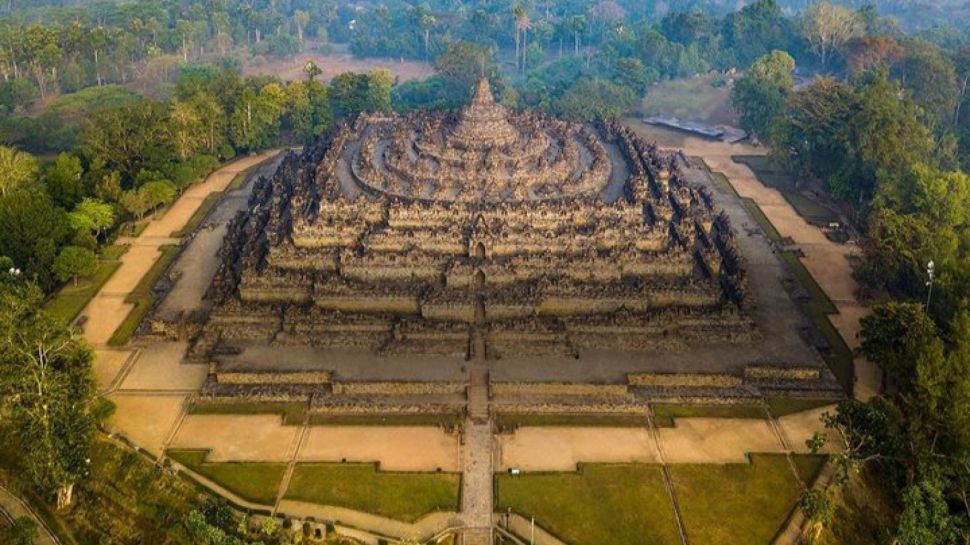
760 95
127 138
819 510
73 262
300 18
23 531
64 180
187 129
97 216
31 230
894 336
158 192
932 80
630 72
49 392
18 168
593 99
827 27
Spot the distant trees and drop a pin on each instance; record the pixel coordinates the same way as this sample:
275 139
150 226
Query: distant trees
827 27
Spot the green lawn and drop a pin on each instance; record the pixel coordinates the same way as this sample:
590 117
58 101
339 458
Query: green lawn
257 482
71 300
142 296
782 406
401 496
618 504
665 413
694 99
447 420
507 421
735 504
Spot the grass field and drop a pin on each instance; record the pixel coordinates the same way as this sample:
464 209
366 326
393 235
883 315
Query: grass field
401 496
618 504
447 420
693 99
782 406
506 421
142 297
71 300
665 413
253 481
737 504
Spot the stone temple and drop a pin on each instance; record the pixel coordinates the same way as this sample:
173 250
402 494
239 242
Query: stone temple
480 235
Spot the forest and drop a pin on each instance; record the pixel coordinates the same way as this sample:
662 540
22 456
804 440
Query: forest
109 110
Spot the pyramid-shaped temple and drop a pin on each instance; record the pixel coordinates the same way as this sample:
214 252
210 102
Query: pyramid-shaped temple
515 234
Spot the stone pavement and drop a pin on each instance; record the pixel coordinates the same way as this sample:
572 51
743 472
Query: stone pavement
829 262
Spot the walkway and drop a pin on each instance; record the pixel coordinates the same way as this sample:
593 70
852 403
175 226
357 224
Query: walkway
108 309
15 507
829 262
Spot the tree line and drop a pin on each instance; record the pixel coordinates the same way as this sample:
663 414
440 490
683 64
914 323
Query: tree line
887 139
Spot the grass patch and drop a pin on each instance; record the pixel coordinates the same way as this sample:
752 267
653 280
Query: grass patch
401 496
450 420
257 482
735 504
239 180
291 412
783 406
70 300
809 466
773 175
142 296
865 512
506 421
665 413
692 98
619 504
210 201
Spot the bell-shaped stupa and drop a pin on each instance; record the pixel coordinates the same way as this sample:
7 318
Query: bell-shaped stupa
484 123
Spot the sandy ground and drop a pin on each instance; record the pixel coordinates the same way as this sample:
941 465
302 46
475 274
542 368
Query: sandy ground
265 438
109 364
561 448
716 440
827 261
336 63
800 427
146 420
159 367
395 448
237 437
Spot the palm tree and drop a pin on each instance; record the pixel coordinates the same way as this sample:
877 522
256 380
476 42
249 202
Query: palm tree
519 16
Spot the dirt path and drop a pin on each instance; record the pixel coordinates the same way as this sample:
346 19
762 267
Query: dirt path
827 261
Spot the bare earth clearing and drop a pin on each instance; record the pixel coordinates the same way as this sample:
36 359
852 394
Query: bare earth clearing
333 64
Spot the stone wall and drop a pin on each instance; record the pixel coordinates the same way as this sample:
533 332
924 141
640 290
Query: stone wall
557 389
684 380
398 388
